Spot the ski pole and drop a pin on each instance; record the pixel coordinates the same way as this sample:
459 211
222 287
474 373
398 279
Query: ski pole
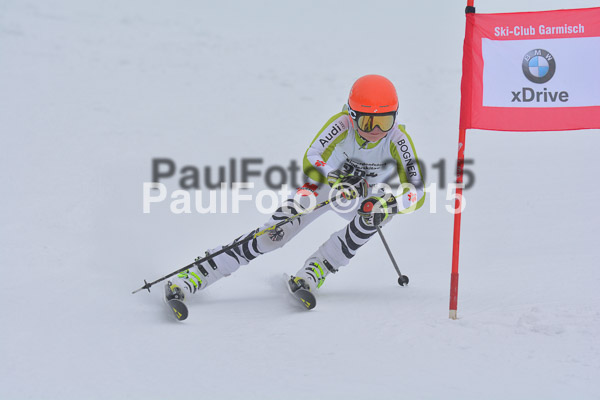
402 279
148 285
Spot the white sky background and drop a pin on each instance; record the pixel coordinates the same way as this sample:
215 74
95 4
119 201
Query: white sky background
92 91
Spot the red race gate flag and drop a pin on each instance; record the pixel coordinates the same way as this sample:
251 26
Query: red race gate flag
532 71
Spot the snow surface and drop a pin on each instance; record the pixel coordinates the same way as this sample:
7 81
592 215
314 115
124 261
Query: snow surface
92 91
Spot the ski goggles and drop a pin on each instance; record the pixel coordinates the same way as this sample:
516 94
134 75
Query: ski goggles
367 122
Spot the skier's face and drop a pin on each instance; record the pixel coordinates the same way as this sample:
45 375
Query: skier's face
375 135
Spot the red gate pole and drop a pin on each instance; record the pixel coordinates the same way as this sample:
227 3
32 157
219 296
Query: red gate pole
458 207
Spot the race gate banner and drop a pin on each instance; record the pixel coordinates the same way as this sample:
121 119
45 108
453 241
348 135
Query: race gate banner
532 71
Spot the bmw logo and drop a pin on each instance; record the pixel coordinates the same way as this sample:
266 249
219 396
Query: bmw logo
539 66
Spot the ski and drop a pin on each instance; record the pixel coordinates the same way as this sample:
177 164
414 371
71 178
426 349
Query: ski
305 297
173 299
178 309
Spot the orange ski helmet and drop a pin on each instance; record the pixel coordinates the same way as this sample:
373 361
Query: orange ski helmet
373 94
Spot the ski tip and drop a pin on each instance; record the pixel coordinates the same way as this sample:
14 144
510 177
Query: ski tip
178 308
308 301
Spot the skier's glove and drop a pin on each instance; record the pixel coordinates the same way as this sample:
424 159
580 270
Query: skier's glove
375 209
351 186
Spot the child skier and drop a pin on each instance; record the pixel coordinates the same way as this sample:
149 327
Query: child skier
358 148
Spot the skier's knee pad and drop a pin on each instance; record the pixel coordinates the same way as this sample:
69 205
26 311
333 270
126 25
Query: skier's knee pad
344 244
